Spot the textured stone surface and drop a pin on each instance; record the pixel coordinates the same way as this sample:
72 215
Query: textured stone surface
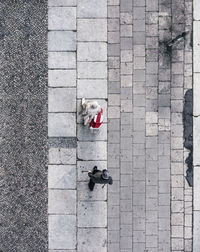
62 78
84 194
87 208
92 150
62 100
92 70
62 176
91 89
61 124
62 3
92 9
84 133
86 238
62 231
23 174
92 51
65 60
62 18
61 41
58 201
62 156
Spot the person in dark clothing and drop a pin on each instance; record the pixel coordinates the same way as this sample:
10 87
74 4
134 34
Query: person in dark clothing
99 177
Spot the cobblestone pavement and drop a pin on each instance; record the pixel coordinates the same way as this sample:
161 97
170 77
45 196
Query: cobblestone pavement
150 202
23 126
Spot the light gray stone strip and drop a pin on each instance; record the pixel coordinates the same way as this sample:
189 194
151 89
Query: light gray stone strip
196 125
92 144
62 172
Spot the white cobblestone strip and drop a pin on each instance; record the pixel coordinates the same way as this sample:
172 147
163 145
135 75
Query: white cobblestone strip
92 144
196 125
62 172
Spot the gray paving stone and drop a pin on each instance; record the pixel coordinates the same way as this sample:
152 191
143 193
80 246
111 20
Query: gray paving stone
91 89
87 208
113 75
61 125
126 30
91 51
62 100
62 176
62 231
113 37
139 13
92 150
62 18
92 70
113 50
58 202
92 30
113 11
62 3
113 24
86 134
84 194
113 62
62 78
65 60
92 9
126 43
87 236
61 41
139 25
62 156
138 38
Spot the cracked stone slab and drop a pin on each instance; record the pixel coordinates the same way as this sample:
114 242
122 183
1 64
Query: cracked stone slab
96 211
84 166
84 133
62 176
84 194
62 231
58 201
62 156
92 150
87 236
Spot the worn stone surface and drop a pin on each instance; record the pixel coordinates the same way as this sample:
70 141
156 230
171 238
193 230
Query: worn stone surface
62 156
91 89
62 78
62 231
92 150
84 133
92 9
61 41
64 60
23 173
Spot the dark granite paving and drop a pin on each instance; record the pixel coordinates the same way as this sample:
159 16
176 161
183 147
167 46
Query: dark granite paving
23 125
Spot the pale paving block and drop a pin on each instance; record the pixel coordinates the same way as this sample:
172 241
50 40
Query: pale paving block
62 3
62 100
92 51
62 18
62 231
61 250
96 211
102 103
62 156
196 140
62 78
196 188
92 70
91 89
61 124
84 166
196 94
196 8
65 60
92 9
86 134
62 176
196 230
92 150
84 194
196 45
92 30
92 239
58 201
61 41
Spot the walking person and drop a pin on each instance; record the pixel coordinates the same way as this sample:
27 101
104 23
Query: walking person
99 177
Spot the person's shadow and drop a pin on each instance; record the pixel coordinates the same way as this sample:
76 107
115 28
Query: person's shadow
188 133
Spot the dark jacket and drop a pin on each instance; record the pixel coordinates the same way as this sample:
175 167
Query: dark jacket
97 178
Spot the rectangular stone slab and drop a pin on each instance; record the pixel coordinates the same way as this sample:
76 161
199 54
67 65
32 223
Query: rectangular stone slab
62 78
62 176
84 133
84 194
62 231
92 150
96 211
61 41
92 239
